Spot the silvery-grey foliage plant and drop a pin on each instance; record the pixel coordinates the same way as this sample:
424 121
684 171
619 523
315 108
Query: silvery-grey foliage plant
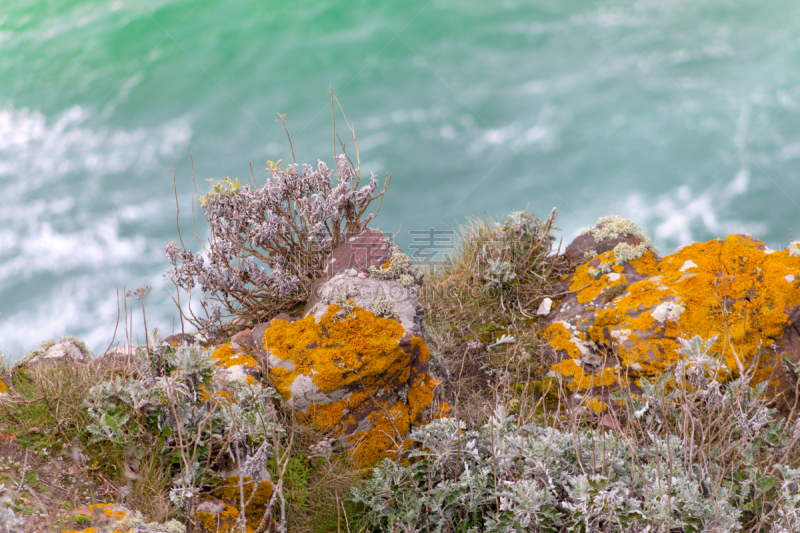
268 244
653 476
509 478
179 404
9 521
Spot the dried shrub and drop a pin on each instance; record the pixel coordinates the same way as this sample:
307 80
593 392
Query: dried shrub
267 245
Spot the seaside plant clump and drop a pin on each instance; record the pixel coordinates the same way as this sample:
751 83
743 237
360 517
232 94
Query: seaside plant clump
9 521
494 267
505 476
481 300
267 245
181 408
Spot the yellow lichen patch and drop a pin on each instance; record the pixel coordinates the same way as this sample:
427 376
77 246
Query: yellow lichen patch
560 338
443 410
219 523
589 286
231 493
3 387
731 288
389 428
336 353
596 405
420 394
647 265
111 510
362 355
389 423
225 357
580 378
115 512
328 416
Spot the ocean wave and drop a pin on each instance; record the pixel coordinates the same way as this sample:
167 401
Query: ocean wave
73 224
684 215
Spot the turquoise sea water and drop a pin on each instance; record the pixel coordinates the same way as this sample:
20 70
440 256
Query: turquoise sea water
683 115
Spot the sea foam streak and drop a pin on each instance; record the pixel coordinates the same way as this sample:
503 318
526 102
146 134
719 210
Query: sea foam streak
60 215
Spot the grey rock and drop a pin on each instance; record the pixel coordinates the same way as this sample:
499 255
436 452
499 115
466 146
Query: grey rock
179 338
120 359
63 352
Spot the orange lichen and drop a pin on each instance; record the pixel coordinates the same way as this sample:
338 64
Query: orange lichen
360 354
336 353
443 410
560 338
589 287
420 394
110 510
231 493
730 288
3 387
389 428
221 522
225 357
581 379
596 405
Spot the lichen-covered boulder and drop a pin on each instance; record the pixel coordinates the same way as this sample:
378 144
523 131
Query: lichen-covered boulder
627 308
237 363
355 366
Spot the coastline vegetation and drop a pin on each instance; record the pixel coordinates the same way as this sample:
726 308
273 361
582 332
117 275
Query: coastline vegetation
170 433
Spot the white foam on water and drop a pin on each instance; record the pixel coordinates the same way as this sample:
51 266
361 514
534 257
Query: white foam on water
540 134
33 152
53 224
86 308
676 215
42 249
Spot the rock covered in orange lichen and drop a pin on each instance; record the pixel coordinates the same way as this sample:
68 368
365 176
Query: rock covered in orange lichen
355 366
624 317
352 377
236 362
215 516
